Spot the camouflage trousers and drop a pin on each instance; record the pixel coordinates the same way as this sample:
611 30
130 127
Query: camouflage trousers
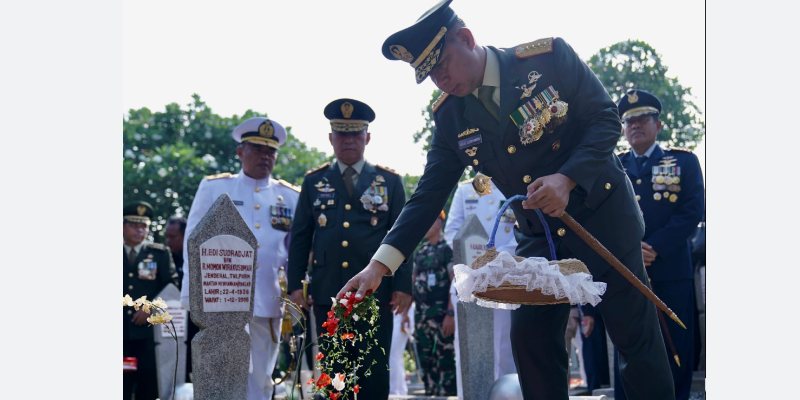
436 357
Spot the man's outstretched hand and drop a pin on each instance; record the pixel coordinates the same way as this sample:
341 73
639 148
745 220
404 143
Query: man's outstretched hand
368 279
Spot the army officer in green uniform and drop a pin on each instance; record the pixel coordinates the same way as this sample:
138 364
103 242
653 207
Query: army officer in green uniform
538 121
146 269
344 211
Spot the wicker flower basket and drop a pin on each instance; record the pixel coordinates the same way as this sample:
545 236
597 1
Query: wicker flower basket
517 294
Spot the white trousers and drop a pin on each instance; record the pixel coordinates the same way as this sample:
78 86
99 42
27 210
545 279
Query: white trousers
263 355
397 371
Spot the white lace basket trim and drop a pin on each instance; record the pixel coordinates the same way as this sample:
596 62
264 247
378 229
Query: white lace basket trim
533 273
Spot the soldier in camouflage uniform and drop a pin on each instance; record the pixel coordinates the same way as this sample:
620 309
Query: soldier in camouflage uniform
433 272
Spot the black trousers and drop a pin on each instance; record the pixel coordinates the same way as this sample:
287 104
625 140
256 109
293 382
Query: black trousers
595 356
537 340
375 386
144 381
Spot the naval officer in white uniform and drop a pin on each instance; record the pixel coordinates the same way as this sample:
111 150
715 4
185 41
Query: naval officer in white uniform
267 206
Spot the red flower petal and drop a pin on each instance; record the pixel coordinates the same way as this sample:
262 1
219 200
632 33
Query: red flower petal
356 388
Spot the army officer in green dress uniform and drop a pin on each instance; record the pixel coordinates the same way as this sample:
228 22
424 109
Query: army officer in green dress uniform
538 121
146 269
344 211
669 187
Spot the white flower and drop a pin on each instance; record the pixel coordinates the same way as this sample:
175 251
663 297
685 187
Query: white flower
338 382
160 303
355 317
343 302
127 301
333 302
162 172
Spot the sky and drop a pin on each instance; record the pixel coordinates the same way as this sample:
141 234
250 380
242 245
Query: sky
289 59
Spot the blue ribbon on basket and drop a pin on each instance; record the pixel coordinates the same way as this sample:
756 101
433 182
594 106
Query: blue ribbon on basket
546 227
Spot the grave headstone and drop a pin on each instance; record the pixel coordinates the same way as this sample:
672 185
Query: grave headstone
475 323
222 272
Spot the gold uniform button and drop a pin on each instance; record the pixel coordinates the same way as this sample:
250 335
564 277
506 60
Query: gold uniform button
130 312
638 197
526 179
315 261
346 224
130 274
345 264
511 149
258 189
638 181
258 206
345 244
258 226
607 186
561 232
347 207
130 287
475 162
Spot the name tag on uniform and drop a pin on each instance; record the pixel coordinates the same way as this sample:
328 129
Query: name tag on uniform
147 270
469 141
431 279
238 202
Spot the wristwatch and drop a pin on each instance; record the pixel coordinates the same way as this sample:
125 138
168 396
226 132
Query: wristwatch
450 313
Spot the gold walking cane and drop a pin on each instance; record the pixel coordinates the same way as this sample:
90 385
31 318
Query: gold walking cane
481 184
609 258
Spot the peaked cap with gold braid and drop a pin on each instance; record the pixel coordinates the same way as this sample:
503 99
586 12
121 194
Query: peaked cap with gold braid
261 131
348 115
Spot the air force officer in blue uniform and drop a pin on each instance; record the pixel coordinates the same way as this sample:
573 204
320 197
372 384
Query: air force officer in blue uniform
540 123
669 188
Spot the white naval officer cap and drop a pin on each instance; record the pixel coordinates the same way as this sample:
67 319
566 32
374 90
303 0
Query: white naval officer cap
261 131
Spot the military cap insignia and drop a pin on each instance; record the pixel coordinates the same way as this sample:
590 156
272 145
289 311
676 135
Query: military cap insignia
266 129
632 96
401 53
141 210
439 101
347 110
472 151
534 48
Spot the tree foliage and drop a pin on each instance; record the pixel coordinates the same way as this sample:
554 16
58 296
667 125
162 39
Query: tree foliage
621 66
167 153
634 64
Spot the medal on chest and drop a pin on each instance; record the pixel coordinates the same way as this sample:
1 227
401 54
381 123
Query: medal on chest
280 215
539 115
666 180
375 198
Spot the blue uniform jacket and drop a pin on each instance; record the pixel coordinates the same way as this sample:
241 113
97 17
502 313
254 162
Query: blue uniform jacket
672 212
581 147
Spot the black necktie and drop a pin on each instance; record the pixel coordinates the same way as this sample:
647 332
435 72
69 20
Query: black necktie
132 255
485 97
349 172
640 160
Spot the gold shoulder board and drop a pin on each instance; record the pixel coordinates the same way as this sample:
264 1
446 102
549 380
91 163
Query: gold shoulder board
219 176
385 168
439 101
681 149
320 168
289 185
534 48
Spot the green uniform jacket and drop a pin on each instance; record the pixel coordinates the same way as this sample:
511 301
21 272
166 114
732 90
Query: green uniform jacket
146 276
341 234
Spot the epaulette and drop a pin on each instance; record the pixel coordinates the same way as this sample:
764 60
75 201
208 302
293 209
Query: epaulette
387 169
681 149
289 185
439 101
317 169
534 48
225 175
157 246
